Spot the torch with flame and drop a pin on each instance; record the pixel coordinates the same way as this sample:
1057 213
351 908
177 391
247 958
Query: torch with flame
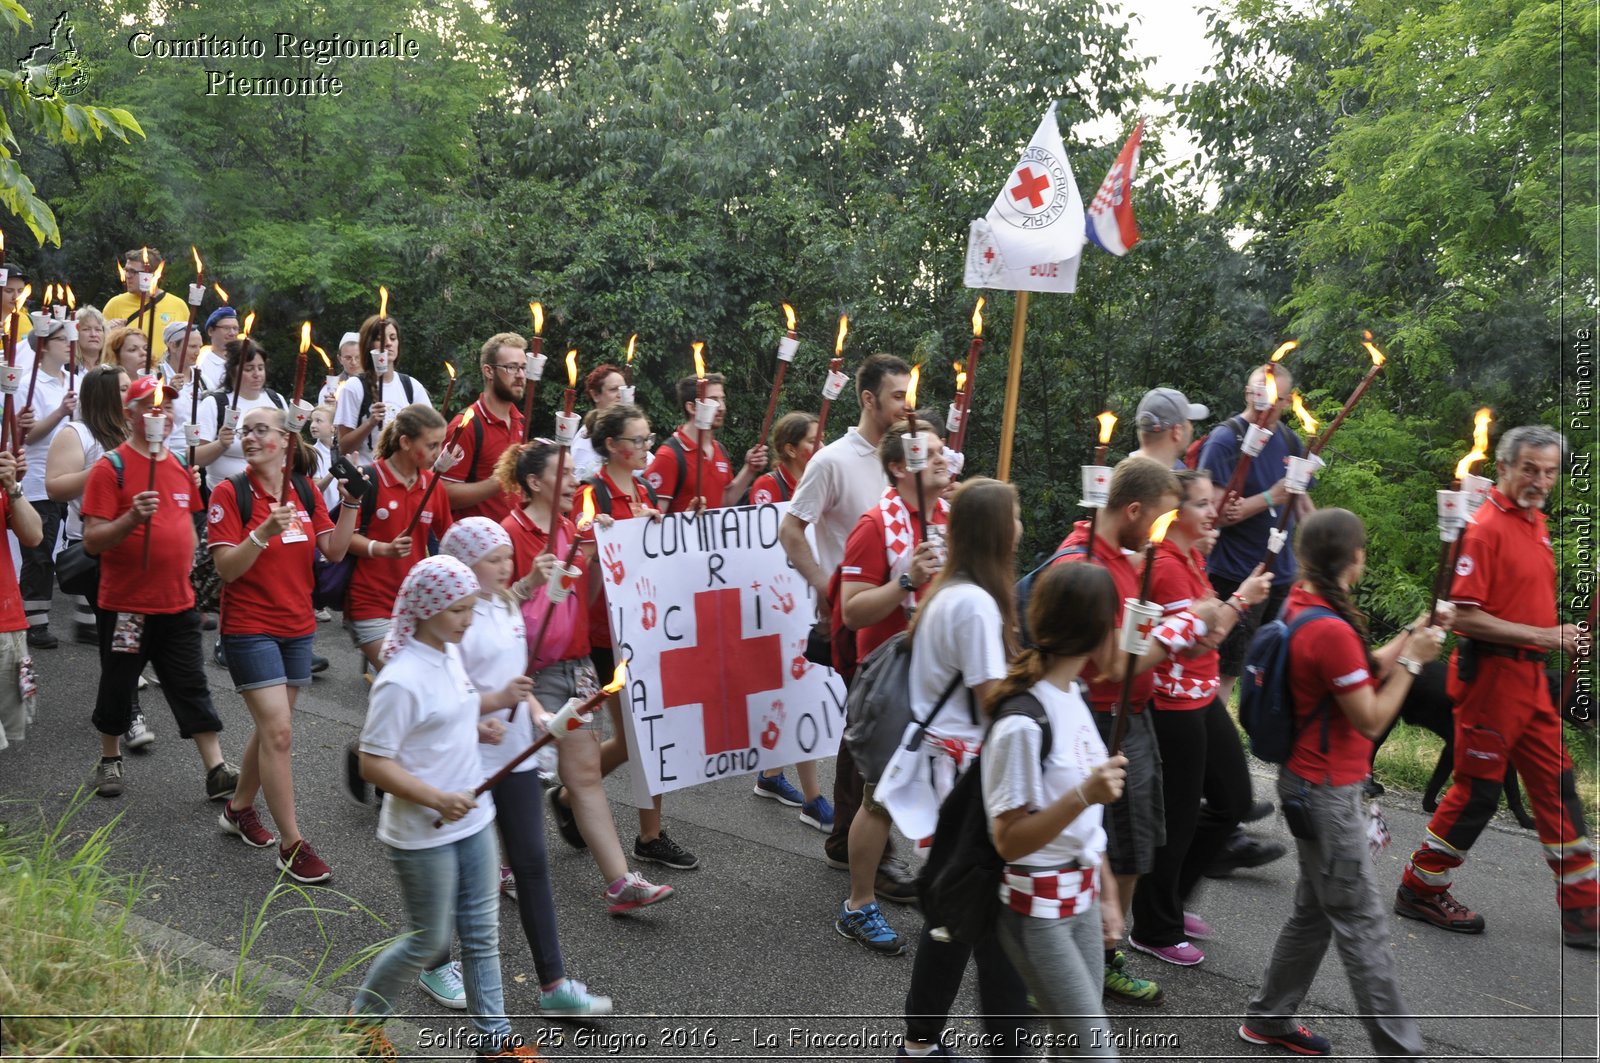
383 302
249 323
832 385
627 362
916 450
1108 424
535 370
1378 362
787 346
300 362
222 292
966 381
1138 621
1307 422
444 410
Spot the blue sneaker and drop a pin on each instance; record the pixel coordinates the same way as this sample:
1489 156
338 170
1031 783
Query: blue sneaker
818 814
868 926
779 789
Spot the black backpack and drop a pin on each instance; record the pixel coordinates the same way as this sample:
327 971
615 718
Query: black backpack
1024 590
406 384
1266 707
602 493
244 495
959 885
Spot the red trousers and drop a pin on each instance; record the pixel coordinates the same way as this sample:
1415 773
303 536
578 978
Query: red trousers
1505 716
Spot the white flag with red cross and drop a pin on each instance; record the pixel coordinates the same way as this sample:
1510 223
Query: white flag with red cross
1038 215
713 622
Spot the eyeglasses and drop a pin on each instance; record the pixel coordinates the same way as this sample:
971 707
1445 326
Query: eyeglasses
260 431
519 369
642 442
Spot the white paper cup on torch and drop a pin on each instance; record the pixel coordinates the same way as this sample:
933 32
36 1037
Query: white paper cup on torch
59 311
916 448
1452 514
1474 489
1255 437
230 419
786 348
10 378
833 387
1096 486
952 418
567 428
147 282
298 416
536 366
380 362
562 579
1276 538
155 428
72 331
705 413
626 394
1298 476
567 720
1139 619
192 436
331 382
197 294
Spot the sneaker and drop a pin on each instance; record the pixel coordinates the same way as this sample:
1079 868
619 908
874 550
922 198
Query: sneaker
143 682
323 615
1301 1040
818 814
354 784
1440 909
221 781
1244 850
566 822
1120 985
868 926
303 864
40 638
373 1043
779 789
108 777
633 891
1578 927
139 734
572 997
1372 789
1196 927
246 824
663 850
1182 954
895 882
444 984
508 883
318 664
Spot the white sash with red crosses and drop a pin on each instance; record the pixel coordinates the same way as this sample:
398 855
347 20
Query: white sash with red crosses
899 534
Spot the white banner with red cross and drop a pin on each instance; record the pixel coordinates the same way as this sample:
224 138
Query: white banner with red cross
713 621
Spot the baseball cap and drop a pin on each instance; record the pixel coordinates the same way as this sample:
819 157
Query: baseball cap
1163 408
143 388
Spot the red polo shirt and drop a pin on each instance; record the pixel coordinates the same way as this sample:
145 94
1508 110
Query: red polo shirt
480 459
528 541
622 508
375 583
273 597
126 586
1178 581
12 616
716 473
771 487
1506 566
1326 657
1103 694
866 560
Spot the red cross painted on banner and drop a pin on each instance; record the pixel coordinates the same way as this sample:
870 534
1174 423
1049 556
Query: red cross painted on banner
1029 186
721 670
1145 628
988 254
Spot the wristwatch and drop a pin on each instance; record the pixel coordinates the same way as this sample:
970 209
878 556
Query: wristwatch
905 582
1414 667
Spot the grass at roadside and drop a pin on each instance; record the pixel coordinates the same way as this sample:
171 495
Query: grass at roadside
74 983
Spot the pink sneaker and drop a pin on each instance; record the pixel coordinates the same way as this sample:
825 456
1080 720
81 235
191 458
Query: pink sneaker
632 891
1182 954
1196 927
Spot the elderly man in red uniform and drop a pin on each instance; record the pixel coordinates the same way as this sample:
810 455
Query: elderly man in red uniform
1505 595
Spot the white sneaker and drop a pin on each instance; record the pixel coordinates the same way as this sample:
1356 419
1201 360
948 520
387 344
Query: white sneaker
324 615
139 734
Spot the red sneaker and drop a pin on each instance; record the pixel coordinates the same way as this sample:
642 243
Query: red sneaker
246 824
303 864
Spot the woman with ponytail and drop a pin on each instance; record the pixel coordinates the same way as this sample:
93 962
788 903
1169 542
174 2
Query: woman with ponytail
368 403
267 622
541 535
1058 898
1344 698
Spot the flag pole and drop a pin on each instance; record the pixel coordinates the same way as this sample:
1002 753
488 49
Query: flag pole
1008 423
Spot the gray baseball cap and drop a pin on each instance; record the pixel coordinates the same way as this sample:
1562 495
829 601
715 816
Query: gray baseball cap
1164 408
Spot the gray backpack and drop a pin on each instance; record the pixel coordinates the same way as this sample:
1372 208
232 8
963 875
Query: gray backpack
878 707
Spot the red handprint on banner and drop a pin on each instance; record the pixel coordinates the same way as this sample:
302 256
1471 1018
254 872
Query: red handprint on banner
647 612
780 590
770 731
613 562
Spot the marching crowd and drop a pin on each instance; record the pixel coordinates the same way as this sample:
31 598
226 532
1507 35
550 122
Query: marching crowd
169 504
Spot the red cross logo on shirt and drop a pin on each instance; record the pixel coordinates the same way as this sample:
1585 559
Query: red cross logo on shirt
1030 186
721 670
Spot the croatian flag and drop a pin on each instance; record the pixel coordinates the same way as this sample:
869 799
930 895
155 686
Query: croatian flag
1110 215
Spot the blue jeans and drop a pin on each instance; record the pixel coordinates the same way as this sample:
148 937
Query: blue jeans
460 878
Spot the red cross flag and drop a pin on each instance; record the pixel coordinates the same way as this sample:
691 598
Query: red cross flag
713 624
1038 215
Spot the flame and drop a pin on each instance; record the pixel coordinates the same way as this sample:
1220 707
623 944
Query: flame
1308 422
466 417
1108 421
1283 348
122 274
199 267
617 680
72 300
155 281
383 301
160 394
448 368
144 254
586 517
977 318
844 328
911 389
221 292
699 362
1158 530
572 368
1272 388
22 300
1465 465
631 341
249 323
305 337
538 317
49 291
1372 348
961 376
1480 430
788 315
326 364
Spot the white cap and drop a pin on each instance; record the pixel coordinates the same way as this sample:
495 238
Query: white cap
350 337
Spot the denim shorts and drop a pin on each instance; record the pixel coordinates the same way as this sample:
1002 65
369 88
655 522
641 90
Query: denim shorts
257 661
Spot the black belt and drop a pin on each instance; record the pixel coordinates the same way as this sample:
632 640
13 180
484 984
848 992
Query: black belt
1516 653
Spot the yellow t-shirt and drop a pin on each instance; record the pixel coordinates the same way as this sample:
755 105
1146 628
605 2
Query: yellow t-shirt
169 309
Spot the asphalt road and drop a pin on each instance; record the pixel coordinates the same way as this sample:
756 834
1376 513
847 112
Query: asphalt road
744 962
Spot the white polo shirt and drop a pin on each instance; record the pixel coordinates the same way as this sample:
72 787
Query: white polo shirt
843 480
